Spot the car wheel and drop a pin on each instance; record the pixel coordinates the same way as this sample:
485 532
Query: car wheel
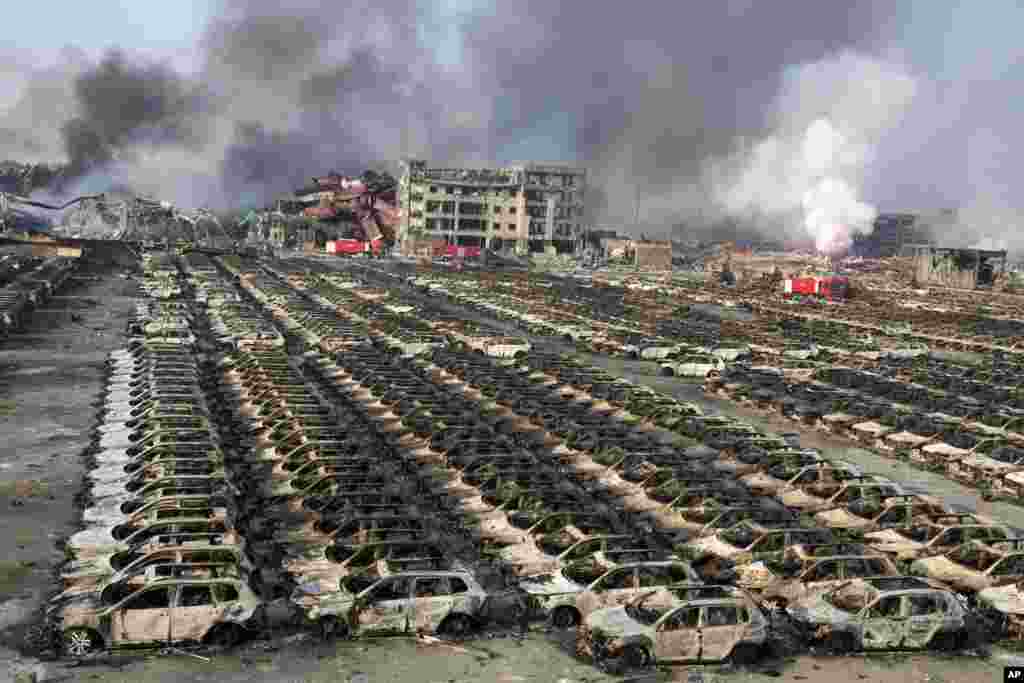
80 642
636 657
224 635
839 642
564 617
745 653
947 641
331 628
456 626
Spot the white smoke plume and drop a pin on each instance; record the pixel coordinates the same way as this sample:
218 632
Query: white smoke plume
829 115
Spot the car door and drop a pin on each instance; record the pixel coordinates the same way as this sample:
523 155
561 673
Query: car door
193 612
719 631
386 609
432 601
676 638
144 618
883 623
616 587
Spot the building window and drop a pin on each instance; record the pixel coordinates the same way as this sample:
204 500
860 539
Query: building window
512 210
417 197
433 189
448 208
511 227
497 209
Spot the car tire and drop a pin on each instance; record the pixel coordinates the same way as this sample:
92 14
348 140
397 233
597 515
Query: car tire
564 617
745 654
839 643
224 635
636 657
947 641
456 626
332 628
80 642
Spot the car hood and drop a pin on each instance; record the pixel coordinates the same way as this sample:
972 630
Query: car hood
93 566
615 622
815 610
549 584
839 517
1005 599
74 603
714 546
943 569
889 539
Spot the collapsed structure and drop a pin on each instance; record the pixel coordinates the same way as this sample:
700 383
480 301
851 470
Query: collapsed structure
333 208
525 207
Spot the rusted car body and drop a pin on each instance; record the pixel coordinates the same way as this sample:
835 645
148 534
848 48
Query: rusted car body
975 565
867 514
553 551
927 537
571 593
1004 607
823 574
784 476
749 542
405 603
161 611
94 573
676 625
832 487
887 613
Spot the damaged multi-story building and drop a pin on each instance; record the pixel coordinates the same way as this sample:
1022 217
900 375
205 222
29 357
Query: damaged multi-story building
525 207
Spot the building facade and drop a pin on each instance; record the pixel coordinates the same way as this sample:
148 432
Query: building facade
527 206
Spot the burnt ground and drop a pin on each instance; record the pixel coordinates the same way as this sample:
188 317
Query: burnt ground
50 375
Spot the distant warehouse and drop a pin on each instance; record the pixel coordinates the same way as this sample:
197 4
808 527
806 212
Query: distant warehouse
525 207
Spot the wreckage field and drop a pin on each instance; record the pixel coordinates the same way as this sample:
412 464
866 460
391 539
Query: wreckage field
249 465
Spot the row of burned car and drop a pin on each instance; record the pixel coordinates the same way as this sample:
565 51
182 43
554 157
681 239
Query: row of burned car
26 283
974 442
219 488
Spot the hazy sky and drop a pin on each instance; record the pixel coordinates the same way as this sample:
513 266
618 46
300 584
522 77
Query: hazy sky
960 136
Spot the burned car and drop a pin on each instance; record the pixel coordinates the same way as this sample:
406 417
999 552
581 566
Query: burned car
162 611
676 625
928 536
81 575
410 602
871 513
1003 606
573 592
331 562
797 581
747 542
884 614
551 551
975 565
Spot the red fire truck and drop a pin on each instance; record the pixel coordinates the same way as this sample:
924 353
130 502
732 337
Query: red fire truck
828 287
